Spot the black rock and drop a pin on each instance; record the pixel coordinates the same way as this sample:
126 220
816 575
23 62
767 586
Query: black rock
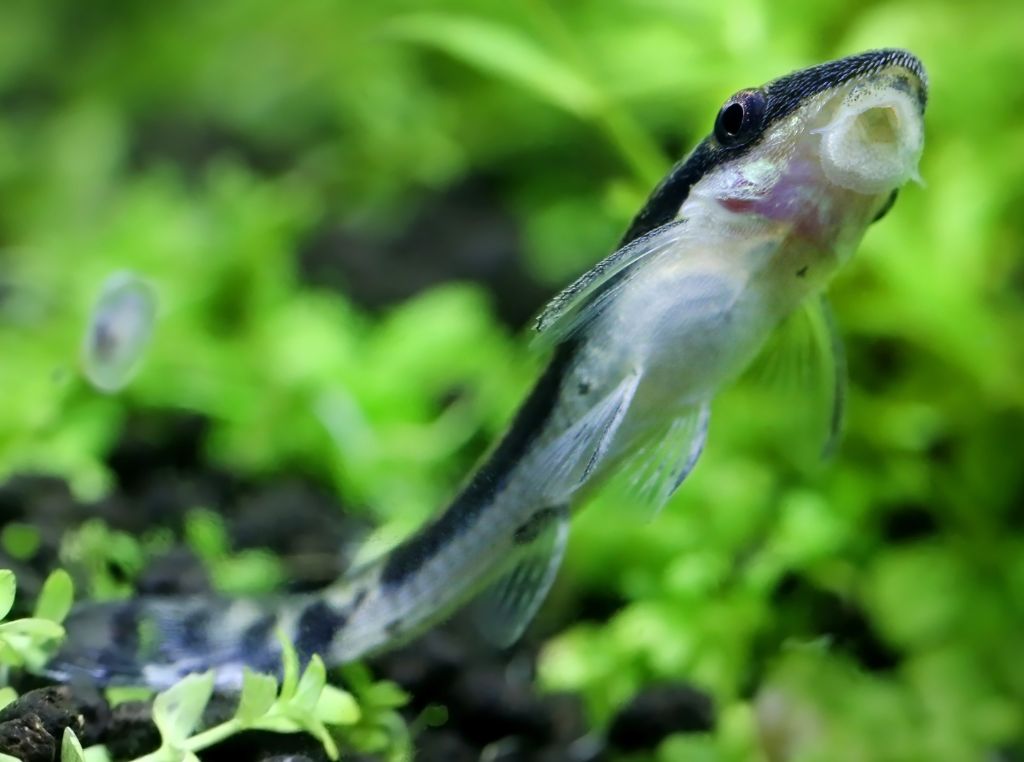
488 706
131 732
658 712
426 667
56 707
443 745
27 740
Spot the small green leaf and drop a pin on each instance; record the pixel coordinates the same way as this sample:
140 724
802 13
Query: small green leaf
289 666
71 748
97 754
118 694
258 694
55 598
8 585
386 695
20 540
7 695
36 629
311 684
206 535
337 707
178 710
8 758
316 729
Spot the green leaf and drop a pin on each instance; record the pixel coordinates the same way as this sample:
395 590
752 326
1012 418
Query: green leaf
259 692
502 51
178 710
7 695
71 748
8 586
337 707
206 535
386 695
56 596
97 754
311 684
20 540
289 666
8 758
316 729
36 629
118 694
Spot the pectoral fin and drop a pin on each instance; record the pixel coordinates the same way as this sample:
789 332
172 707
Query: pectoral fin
586 298
649 477
804 365
561 466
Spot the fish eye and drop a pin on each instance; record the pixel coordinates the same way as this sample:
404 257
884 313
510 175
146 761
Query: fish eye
739 120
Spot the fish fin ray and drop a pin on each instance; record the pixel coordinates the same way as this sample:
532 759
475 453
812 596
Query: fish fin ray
504 609
563 465
650 476
587 297
803 364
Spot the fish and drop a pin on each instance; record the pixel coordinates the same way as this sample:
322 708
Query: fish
741 237
119 331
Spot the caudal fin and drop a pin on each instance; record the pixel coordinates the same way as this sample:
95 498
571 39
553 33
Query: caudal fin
157 641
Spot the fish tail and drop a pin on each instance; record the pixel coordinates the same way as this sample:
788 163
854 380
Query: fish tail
156 641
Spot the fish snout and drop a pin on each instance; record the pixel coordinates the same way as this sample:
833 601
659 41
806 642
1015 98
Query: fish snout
874 141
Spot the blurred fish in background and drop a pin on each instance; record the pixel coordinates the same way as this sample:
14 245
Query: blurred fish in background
119 331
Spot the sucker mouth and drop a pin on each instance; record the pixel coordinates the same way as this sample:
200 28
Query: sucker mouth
879 124
874 141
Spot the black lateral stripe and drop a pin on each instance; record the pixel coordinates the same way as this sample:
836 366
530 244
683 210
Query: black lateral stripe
784 95
489 479
257 635
317 626
124 625
195 635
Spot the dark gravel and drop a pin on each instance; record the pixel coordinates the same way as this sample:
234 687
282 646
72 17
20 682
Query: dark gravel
659 711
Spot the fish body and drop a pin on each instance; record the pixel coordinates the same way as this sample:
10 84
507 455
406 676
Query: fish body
742 235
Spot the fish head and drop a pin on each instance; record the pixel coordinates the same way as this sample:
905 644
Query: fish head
817 154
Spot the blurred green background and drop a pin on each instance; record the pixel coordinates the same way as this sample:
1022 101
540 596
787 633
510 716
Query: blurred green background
349 212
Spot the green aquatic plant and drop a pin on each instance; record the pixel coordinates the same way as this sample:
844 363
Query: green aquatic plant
30 641
217 179
302 701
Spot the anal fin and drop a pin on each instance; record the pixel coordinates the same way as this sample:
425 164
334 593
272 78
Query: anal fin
505 608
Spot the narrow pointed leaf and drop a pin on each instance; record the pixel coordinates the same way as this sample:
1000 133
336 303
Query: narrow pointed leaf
56 596
259 692
178 710
71 747
310 685
8 586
